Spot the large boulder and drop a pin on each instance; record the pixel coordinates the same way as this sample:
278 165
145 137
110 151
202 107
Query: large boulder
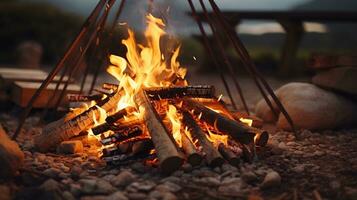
11 157
310 107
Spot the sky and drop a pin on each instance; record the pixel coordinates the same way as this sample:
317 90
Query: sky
180 23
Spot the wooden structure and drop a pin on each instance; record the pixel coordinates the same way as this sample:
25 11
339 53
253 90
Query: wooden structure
291 21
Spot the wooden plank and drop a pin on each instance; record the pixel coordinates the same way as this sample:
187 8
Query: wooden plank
9 75
21 92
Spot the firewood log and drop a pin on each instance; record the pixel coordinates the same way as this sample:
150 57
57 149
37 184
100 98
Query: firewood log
237 130
166 150
115 127
228 154
200 91
53 136
122 135
193 157
213 157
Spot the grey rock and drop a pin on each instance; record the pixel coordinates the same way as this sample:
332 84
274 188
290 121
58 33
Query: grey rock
137 196
52 172
299 168
88 186
123 179
118 196
68 196
75 189
208 181
249 176
168 187
310 107
231 187
104 187
272 179
141 186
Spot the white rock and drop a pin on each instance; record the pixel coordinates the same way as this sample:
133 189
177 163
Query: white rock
310 107
272 179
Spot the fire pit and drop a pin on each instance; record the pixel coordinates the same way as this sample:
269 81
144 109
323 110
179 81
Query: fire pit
154 112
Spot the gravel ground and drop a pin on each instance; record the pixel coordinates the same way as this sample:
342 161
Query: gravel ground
318 165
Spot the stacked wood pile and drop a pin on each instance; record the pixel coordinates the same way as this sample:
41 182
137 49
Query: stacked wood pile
125 136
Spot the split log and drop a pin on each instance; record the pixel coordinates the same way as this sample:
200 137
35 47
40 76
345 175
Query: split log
53 136
166 150
115 127
84 98
200 91
193 157
119 115
228 154
237 130
122 135
110 86
213 157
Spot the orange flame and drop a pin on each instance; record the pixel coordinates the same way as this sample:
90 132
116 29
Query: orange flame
215 138
175 120
146 63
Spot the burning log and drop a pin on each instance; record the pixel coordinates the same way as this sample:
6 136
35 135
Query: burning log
228 154
119 115
166 150
110 86
114 127
193 157
66 129
213 157
200 91
83 98
237 130
122 135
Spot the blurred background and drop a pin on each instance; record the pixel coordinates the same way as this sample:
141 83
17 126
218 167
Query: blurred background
43 29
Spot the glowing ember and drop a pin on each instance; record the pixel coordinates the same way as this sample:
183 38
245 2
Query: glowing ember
249 122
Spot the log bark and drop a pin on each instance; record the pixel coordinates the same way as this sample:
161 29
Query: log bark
193 157
229 155
119 115
213 157
200 91
84 98
54 135
122 135
166 150
115 127
237 130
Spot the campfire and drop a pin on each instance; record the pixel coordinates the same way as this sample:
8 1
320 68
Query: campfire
153 113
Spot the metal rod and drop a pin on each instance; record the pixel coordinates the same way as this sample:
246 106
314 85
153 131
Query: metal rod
58 67
210 51
225 57
106 46
98 30
239 47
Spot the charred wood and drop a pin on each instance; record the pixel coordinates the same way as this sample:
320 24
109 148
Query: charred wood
166 150
115 127
193 156
122 135
212 156
228 155
201 91
237 130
